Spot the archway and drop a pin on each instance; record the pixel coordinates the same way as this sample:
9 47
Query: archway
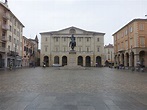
88 61
106 63
80 60
122 58
98 61
64 60
127 59
119 59
1 61
132 58
46 60
56 60
142 57
115 59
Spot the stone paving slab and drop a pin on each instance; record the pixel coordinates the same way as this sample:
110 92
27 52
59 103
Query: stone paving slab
90 89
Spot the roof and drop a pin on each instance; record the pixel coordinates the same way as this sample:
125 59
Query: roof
6 7
138 19
72 27
109 46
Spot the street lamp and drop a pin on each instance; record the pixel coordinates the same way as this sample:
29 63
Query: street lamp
132 59
111 58
15 56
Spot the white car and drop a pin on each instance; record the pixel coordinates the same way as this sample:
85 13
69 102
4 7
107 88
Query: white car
56 65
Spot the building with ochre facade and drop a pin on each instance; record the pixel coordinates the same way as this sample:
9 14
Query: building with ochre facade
130 44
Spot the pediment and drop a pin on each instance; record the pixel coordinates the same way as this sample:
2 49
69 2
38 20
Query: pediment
71 30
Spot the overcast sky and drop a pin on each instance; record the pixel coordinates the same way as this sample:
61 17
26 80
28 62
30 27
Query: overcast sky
105 16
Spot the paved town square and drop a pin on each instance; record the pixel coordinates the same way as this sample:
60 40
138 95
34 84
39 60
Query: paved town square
90 89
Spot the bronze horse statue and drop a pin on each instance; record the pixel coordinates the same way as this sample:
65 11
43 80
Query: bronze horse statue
72 43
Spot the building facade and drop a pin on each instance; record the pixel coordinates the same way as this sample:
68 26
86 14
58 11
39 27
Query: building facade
36 51
11 30
89 47
28 52
130 43
109 54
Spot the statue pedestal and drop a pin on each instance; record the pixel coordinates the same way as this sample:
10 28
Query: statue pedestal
72 62
72 58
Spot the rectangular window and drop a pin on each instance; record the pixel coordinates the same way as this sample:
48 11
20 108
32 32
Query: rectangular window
9 47
14 40
45 49
131 42
3 44
126 32
98 39
10 28
131 30
87 49
141 27
87 39
64 39
15 31
56 39
9 38
98 49
46 39
142 41
15 22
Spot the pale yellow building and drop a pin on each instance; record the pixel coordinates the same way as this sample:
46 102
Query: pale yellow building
109 54
89 47
11 30
130 43
28 52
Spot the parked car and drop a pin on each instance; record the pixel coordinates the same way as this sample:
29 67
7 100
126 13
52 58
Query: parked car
56 65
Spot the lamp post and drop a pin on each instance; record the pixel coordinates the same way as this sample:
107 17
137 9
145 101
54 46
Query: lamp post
111 58
15 56
132 59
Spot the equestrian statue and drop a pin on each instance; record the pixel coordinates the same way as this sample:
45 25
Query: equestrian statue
72 43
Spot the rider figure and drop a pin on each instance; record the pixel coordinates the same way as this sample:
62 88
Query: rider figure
72 42
72 38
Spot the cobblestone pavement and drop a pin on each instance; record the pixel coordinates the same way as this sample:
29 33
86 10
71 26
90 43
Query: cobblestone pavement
90 89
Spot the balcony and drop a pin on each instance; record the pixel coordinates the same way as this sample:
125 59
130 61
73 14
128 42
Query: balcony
6 16
4 38
121 50
12 53
5 27
3 49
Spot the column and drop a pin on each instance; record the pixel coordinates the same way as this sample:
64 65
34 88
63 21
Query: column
121 59
136 59
5 60
60 59
92 60
125 60
115 61
118 63
130 60
84 62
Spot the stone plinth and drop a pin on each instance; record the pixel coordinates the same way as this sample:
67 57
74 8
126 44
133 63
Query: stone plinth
72 64
72 59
